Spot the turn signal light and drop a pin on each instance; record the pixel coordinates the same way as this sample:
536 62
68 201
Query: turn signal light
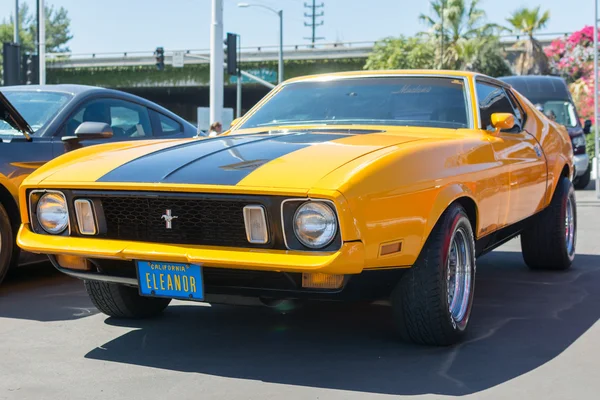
73 262
322 281
85 217
256 224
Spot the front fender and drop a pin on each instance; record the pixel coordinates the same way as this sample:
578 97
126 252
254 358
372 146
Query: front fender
444 198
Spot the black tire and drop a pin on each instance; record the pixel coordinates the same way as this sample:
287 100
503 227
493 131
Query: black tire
420 303
584 180
121 301
9 251
543 243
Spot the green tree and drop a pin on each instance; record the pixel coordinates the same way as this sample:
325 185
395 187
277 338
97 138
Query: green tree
57 30
401 53
491 60
456 23
527 21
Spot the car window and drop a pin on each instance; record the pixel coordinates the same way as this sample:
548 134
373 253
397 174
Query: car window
167 126
37 108
562 112
127 120
402 101
519 112
492 99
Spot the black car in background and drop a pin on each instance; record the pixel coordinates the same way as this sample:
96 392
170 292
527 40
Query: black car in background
551 95
39 123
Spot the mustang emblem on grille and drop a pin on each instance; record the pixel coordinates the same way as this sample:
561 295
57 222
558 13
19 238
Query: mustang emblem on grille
168 219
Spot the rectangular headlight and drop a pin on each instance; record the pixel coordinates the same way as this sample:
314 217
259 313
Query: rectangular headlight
256 224
85 217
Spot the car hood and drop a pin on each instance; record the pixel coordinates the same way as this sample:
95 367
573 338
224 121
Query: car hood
10 114
293 159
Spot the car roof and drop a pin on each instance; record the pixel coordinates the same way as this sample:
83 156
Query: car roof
64 88
539 88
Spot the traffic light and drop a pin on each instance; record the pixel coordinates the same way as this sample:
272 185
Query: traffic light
231 42
30 69
11 64
159 53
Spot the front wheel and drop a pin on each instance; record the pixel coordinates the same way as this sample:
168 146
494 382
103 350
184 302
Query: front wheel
432 302
121 301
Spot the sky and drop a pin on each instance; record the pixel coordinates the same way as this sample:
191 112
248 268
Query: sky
142 25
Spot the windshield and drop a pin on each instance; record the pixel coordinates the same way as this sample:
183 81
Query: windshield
562 112
405 101
36 107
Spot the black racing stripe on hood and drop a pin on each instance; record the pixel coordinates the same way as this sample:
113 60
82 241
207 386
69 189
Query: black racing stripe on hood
219 161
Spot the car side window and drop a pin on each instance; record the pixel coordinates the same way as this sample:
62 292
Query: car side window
519 112
127 120
493 99
166 125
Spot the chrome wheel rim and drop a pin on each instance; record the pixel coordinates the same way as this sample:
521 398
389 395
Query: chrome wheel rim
570 227
459 266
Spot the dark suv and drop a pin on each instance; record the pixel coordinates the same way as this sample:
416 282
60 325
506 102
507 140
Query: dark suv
551 95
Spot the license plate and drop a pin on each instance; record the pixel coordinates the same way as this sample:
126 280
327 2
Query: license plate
172 280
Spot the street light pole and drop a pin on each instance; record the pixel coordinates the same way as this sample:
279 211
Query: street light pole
280 72
238 97
16 25
280 15
442 38
42 42
216 62
596 141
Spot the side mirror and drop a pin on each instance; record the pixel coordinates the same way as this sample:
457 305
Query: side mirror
87 131
503 121
587 126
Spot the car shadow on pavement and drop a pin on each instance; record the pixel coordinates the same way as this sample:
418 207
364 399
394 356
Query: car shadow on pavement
39 292
521 320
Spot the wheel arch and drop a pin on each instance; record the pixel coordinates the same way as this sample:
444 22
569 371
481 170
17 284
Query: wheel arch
565 171
454 194
8 201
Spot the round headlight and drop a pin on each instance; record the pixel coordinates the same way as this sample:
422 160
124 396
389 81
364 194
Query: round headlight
315 224
52 213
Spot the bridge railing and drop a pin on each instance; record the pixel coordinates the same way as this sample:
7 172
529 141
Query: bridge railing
332 50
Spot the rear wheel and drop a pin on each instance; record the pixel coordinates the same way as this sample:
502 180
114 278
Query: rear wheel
549 242
121 301
9 252
433 300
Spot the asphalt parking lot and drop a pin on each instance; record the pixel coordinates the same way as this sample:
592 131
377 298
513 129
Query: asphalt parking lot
533 335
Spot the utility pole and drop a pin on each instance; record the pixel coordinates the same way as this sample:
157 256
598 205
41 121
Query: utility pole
216 62
314 17
42 40
16 39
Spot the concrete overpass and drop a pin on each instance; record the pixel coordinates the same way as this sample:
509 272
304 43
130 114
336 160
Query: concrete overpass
327 51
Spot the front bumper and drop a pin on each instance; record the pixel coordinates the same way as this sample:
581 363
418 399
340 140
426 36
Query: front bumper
223 285
581 162
348 260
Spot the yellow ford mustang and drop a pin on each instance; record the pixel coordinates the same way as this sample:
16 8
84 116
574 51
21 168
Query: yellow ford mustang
362 185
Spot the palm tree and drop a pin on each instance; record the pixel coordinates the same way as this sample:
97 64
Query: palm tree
533 60
453 23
